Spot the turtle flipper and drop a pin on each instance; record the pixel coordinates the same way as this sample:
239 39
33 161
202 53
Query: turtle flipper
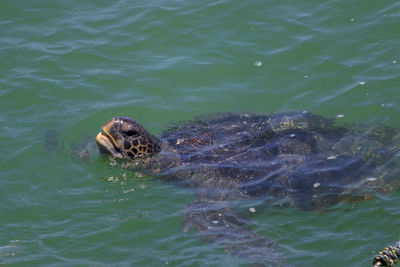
218 224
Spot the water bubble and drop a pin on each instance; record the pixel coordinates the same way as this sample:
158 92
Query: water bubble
361 83
257 63
113 179
252 210
331 157
293 135
340 115
394 61
316 185
215 222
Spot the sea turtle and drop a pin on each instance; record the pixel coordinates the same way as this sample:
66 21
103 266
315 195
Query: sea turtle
294 159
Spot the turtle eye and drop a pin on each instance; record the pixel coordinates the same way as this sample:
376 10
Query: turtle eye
131 133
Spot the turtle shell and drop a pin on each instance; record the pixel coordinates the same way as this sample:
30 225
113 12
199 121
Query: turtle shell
295 158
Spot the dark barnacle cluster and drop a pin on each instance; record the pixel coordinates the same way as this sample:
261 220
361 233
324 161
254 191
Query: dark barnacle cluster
388 256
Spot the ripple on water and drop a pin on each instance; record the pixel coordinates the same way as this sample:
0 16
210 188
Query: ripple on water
70 66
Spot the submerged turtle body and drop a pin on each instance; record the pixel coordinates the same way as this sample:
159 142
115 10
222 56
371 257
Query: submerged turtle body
298 157
294 158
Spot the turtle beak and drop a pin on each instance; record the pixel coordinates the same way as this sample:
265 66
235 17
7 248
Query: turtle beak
107 142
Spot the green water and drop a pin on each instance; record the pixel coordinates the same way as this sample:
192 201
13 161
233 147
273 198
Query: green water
69 66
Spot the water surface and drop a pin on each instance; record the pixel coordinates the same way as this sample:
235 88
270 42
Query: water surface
69 66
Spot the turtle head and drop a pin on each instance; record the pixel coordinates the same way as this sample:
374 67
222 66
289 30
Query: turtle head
126 139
